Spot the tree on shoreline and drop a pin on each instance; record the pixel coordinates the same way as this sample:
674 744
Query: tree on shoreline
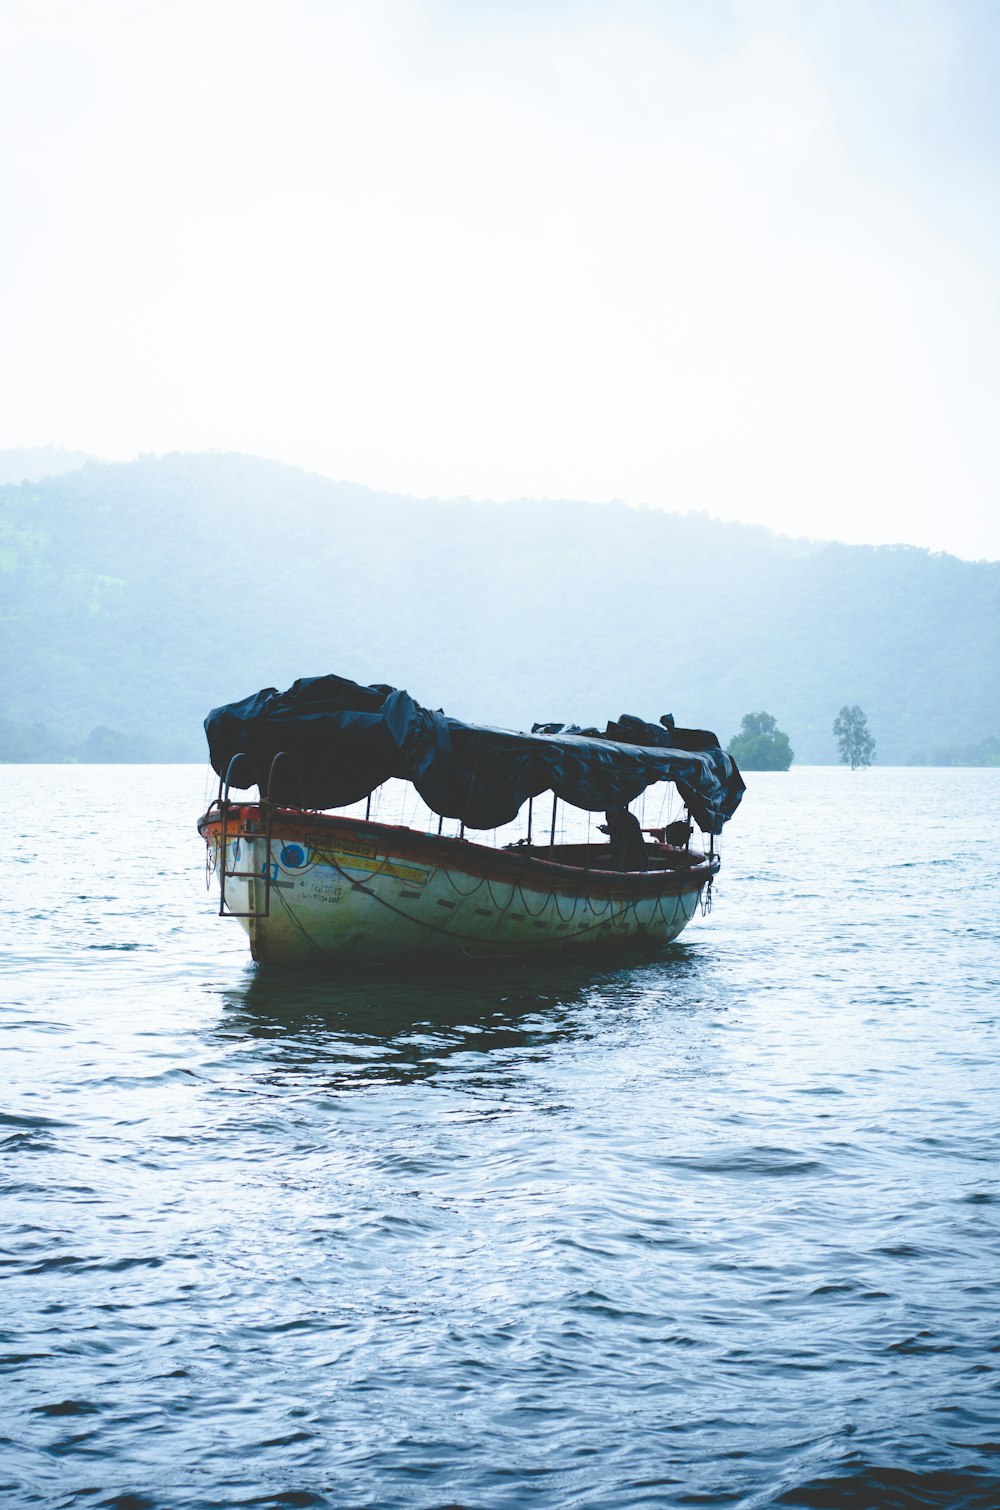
760 745
857 747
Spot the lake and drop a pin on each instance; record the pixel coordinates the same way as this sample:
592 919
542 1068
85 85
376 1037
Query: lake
722 1229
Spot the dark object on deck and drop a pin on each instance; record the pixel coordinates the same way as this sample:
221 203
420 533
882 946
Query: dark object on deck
345 740
628 849
676 834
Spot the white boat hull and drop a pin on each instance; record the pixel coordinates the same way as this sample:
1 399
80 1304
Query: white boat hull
308 888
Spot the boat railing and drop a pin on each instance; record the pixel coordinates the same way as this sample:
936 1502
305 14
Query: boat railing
282 768
283 790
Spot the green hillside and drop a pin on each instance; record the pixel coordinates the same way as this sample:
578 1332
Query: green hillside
137 596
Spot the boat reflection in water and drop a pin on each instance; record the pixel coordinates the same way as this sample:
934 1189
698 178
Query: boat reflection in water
310 885
364 1027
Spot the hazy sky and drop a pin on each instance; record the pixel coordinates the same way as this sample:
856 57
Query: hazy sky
734 255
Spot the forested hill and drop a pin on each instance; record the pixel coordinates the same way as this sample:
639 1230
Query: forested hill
32 463
137 596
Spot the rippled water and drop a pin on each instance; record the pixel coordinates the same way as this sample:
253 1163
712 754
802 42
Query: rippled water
718 1230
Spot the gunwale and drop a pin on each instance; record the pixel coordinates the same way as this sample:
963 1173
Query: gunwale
466 856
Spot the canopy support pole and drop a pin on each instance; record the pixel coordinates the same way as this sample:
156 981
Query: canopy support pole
552 835
531 803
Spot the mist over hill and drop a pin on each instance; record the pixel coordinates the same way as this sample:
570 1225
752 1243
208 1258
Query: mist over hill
32 463
138 595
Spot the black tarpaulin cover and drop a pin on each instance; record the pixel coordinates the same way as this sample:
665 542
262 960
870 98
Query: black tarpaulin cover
344 740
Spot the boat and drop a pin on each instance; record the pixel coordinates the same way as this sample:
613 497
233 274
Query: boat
311 884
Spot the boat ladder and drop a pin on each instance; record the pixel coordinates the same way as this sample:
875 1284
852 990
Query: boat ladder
268 870
242 834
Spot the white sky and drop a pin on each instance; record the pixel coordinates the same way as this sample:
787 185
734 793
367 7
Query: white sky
733 255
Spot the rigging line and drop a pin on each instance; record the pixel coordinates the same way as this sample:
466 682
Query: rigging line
451 933
676 898
621 921
422 922
591 927
472 778
527 909
485 880
630 912
457 889
301 927
568 940
551 898
517 887
383 868
446 932
501 906
559 914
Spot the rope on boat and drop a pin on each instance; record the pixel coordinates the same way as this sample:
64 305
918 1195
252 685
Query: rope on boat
504 907
517 888
408 917
451 933
618 921
552 898
483 881
559 915
527 909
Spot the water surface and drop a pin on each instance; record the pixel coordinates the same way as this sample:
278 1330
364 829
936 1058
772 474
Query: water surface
716 1230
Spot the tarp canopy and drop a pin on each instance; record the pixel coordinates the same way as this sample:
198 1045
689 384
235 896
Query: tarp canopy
345 740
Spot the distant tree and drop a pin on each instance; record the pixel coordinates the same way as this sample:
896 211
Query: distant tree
986 753
78 649
24 744
857 747
104 746
760 745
